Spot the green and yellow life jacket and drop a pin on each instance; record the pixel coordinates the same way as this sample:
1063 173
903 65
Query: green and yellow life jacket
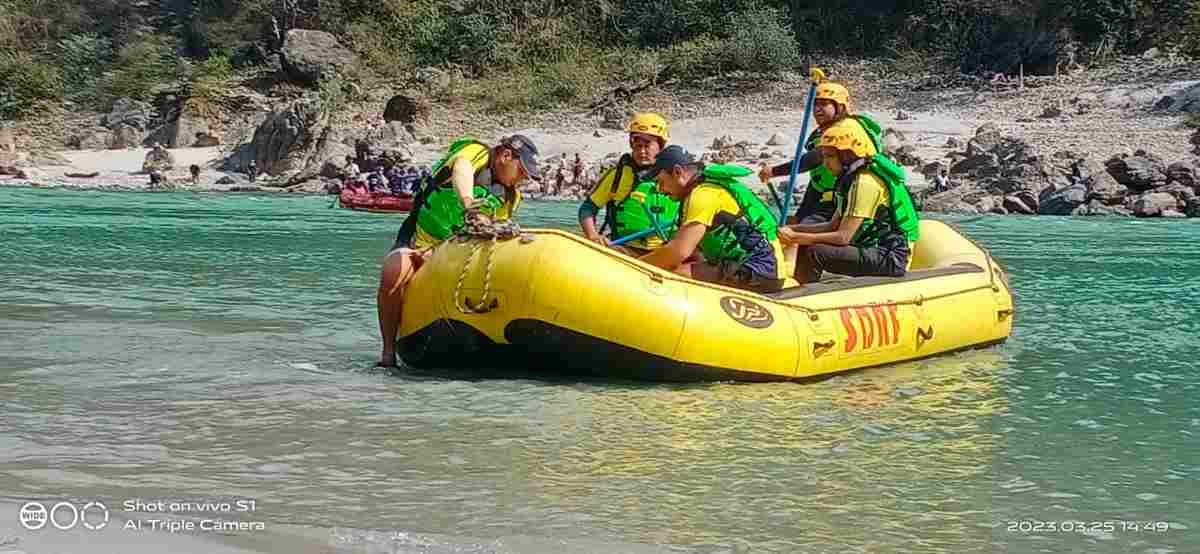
437 210
898 217
631 214
732 240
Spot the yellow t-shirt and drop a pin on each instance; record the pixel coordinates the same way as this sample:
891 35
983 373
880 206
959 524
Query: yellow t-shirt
603 193
480 157
865 197
707 201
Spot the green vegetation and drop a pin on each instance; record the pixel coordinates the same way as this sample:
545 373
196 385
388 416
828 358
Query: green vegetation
533 54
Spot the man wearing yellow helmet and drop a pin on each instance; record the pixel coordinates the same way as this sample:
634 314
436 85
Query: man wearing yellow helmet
875 221
831 106
632 203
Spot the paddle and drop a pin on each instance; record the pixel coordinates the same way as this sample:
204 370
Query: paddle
817 76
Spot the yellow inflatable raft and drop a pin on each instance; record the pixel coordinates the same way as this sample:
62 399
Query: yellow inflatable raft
552 301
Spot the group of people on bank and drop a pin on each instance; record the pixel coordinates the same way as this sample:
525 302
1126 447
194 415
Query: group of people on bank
697 219
382 175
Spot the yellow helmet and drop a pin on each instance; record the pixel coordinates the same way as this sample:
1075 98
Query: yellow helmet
648 123
848 134
835 92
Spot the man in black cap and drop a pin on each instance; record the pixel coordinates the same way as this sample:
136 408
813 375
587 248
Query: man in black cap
472 181
722 219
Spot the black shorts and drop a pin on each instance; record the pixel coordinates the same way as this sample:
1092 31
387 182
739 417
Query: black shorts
882 261
739 276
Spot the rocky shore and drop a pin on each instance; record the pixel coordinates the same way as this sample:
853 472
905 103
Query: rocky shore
1079 144
1003 175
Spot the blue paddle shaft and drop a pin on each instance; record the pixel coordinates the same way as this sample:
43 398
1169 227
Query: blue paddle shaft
634 236
791 186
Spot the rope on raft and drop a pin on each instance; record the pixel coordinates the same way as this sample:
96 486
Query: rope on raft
492 232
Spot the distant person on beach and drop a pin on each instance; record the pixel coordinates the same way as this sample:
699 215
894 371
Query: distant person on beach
633 205
156 179
473 183
252 171
195 171
377 180
396 176
351 170
576 171
412 181
361 152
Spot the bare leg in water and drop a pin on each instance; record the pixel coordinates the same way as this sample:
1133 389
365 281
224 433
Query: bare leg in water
398 269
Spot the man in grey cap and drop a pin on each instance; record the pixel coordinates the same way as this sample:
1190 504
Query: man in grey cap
471 182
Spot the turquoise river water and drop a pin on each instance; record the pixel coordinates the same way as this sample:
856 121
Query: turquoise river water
213 347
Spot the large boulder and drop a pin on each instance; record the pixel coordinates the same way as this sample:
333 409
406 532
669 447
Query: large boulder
206 139
1182 173
907 155
1096 208
893 140
987 138
1186 100
984 164
91 139
1152 204
1063 202
184 128
1100 184
125 136
310 55
281 142
158 159
8 140
294 144
1139 172
1014 152
1182 193
953 199
130 112
406 107
1023 202
391 139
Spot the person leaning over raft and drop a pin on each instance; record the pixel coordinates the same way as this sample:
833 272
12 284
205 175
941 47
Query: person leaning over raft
831 106
873 229
729 224
628 192
471 182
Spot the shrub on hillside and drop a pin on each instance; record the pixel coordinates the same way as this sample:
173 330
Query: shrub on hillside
695 58
82 58
760 41
25 81
141 67
475 42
